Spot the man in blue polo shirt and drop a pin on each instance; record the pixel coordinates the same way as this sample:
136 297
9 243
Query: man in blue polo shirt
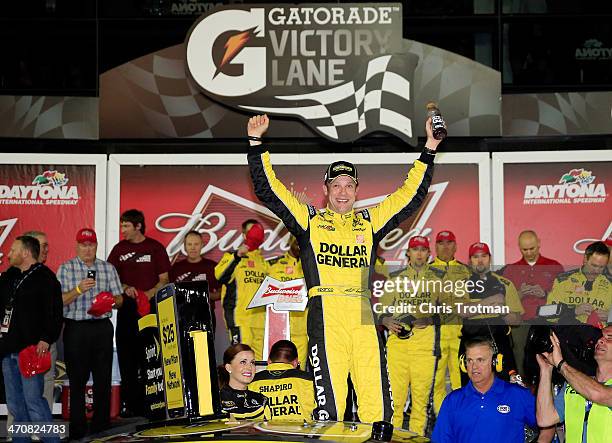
487 408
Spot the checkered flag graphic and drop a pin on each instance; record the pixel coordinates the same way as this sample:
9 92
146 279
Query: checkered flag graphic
378 98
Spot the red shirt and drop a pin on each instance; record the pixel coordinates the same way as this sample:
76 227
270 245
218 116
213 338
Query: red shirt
140 264
542 273
203 270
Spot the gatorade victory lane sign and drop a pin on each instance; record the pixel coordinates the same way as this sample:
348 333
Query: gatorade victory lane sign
337 67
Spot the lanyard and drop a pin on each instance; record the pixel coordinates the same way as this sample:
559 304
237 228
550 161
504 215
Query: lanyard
17 284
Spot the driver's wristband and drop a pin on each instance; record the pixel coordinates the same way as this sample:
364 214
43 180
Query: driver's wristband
254 138
559 365
427 156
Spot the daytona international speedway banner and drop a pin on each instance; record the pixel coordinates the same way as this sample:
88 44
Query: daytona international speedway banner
565 199
58 195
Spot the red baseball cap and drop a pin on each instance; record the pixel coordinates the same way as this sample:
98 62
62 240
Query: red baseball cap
417 241
86 235
445 236
608 242
102 304
479 247
30 363
254 237
142 303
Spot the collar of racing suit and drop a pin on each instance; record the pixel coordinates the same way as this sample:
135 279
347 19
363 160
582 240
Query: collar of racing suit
279 366
411 269
452 262
339 217
253 253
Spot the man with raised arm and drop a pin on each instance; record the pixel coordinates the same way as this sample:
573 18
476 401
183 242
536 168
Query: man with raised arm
338 250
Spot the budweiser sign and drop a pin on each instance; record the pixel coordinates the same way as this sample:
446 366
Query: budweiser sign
283 296
291 295
218 214
581 245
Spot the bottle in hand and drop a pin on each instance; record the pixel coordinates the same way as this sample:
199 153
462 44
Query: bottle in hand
437 122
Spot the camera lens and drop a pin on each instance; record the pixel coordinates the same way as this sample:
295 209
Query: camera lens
539 339
405 333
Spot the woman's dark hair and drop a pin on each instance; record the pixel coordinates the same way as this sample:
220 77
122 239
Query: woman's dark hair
228 356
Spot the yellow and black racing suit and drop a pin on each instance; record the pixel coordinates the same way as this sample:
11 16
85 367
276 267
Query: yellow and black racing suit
245 405
413 361
290 391
337 253
450 328
574 289
288 268
242 276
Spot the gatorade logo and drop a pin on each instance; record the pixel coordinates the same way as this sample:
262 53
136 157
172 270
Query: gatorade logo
308 61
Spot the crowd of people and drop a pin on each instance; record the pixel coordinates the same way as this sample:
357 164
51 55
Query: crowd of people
374 357
79 301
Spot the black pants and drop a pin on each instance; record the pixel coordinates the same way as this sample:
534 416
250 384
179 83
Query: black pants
129 353
88 348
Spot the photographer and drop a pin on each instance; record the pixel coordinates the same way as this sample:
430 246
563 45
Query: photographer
583 403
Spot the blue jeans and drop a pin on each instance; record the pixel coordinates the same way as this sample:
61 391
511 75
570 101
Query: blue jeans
24 397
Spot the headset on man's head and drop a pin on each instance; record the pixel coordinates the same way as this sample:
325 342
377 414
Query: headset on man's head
497 362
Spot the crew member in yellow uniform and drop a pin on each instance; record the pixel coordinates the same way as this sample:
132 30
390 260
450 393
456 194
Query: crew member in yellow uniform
285 268
450 324
589 289
290 391
413 359
242 272
337 250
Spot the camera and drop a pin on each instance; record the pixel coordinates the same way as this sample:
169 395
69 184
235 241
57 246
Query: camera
91 274
577 343
564 313
539 339
408 324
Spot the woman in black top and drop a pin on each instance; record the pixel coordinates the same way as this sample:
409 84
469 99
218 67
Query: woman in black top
235 374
